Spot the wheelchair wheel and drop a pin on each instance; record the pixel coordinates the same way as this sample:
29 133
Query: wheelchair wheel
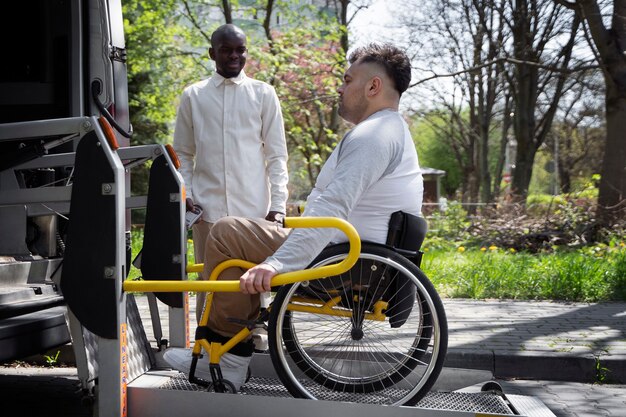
376 334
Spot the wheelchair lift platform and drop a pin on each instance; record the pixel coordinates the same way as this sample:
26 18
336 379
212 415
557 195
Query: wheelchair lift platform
165 392
161 392
149 389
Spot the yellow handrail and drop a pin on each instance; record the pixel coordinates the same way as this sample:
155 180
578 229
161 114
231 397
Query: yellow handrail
280 279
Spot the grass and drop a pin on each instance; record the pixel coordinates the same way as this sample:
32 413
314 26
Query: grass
582 275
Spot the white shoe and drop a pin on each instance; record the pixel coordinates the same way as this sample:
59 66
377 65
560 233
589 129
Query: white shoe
259 338
234 368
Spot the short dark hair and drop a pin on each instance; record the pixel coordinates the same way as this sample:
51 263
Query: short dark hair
395 62
226 30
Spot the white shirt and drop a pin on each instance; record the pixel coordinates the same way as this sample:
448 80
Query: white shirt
373 172
230 140
392 160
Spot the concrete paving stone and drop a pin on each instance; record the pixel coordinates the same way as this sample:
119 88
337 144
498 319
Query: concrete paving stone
612 404
570 399
490 329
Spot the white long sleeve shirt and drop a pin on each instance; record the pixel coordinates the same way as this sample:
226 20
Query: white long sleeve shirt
373 172
230 140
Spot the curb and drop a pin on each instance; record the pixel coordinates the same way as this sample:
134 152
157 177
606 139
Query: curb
541 365
520 365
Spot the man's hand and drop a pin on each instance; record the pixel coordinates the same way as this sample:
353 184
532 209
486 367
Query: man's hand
189 205
275 216
257 279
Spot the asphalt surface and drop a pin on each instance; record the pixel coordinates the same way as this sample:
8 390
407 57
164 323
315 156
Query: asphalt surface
571 356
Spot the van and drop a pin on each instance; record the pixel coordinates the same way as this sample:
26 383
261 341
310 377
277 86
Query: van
63 62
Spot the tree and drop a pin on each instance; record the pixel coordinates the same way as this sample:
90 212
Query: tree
466 38
531 44
541 70
607 35
431 133
576 139
157 68
306 72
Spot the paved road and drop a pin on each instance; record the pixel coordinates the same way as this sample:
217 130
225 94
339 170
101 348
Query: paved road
557 345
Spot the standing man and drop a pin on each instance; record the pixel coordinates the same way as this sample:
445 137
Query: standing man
230 140
373 172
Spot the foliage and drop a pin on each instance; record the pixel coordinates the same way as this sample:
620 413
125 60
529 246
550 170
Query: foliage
157 72
433 149
305 63
565 221
553 250
52 360
448 226
136 245
157 65
493 272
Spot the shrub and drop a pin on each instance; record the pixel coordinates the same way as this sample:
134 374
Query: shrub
566 224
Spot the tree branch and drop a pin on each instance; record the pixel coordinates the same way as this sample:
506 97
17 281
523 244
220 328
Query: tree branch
194 22
509 60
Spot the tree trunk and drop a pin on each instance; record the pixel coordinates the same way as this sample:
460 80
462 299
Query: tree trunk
612 193
504 139
526 78
611 48
522 173
565 180
473 184
227 10
485 176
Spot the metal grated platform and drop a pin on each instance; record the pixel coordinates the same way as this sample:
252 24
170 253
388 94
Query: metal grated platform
483 402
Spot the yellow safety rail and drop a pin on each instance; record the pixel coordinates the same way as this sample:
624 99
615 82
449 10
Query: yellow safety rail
281 279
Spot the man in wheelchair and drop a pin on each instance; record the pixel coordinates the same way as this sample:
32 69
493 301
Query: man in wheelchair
372 173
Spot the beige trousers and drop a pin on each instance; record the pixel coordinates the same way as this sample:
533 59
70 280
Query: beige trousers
238 238
200 232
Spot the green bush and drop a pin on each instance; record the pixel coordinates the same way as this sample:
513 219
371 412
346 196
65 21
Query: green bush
449 224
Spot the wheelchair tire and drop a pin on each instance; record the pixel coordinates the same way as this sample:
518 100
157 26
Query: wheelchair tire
348 355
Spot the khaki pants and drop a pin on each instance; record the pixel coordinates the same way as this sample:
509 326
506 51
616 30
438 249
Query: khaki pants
200 232
238 238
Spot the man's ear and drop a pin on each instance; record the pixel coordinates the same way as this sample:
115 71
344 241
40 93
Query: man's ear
211 53
374 86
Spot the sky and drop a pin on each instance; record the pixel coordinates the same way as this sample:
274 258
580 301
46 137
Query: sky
373 23
376 24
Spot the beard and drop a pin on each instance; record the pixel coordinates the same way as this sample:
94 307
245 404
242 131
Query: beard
352 112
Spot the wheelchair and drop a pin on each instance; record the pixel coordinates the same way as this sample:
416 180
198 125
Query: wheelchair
374 334
361 324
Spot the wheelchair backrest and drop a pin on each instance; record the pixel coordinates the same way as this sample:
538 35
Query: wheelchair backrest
406 231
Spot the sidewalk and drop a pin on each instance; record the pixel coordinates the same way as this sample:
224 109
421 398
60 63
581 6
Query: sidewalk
541 340
576 342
